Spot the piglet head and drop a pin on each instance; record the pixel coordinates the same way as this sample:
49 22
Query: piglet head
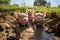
30 13
39 17
23 18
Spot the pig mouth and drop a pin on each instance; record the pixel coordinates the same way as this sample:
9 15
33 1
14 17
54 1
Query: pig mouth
38 20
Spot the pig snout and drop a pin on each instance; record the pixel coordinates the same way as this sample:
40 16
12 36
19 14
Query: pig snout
38 19
25 20
30 18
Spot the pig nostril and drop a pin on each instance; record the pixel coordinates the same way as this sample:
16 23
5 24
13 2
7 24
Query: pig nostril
24 19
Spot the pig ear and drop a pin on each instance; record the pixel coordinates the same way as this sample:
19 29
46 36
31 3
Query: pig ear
26 10
44 14
33 10
16 14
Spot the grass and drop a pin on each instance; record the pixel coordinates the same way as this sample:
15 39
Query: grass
23 9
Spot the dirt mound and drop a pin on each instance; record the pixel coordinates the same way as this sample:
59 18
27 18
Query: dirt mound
54 25
6 27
